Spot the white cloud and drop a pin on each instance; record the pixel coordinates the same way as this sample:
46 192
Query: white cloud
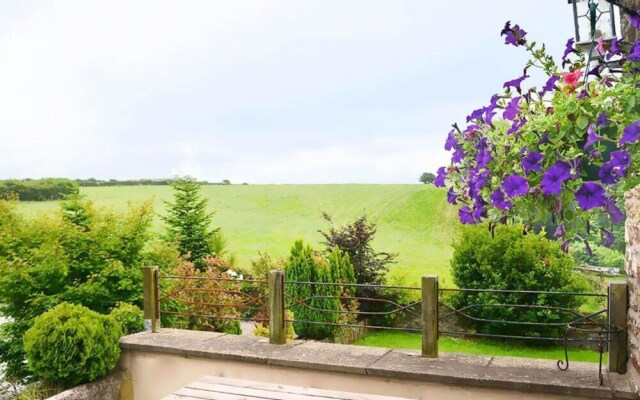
258 91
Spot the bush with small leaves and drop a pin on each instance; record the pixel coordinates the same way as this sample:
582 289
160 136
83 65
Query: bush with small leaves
130 318
70 344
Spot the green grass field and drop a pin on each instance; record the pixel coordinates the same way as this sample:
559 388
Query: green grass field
405 340
413 220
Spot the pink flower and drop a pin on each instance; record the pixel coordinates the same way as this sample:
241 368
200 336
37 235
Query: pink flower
572 78
601 46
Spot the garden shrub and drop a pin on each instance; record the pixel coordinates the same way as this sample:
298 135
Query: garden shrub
600 257
322 303
264 264
71 344
262 327
129 316
211 296
81 255
510 259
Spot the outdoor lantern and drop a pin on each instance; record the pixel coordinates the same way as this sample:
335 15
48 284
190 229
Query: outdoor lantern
593 19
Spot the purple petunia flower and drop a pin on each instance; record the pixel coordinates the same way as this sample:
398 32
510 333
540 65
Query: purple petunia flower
592 137
609 239
614 212
484 158
514 36
582 95
532 161
634 54
516 125
479 211
451 141
452 196
458 156
499 201
515 186
512 109
568 49
488 117
554 177
615 168
560 232
515 83
544 139
441 175
465 215
476 114
550 86
634 17
631 133
614 49
591 195
484 155
565 246
602 119
595 71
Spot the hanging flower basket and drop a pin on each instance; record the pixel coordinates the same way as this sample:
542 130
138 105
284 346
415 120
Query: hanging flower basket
561 152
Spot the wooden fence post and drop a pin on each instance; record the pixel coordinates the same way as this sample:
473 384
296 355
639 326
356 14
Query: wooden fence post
151 299
430 316
277 332
618 317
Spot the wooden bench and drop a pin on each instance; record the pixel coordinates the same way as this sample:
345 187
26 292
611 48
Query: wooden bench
216 388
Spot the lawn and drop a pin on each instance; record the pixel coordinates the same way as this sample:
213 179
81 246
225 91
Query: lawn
406 340
414 221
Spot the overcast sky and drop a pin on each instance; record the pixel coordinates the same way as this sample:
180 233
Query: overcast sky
294 91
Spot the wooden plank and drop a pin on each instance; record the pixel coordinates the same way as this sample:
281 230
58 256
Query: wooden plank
297 390
189 393
255 393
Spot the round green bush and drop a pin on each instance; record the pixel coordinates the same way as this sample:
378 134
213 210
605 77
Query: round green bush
509 259
130 318
70 344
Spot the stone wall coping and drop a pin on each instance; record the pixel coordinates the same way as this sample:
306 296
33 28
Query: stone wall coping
521 374
115 386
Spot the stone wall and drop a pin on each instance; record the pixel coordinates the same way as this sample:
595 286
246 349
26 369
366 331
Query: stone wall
632 262
628 32
117 386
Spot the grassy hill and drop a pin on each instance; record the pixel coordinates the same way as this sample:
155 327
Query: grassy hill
413 220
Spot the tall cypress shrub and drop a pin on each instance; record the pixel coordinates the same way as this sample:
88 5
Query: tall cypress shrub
317 304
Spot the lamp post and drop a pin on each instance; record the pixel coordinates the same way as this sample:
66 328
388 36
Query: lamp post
593 19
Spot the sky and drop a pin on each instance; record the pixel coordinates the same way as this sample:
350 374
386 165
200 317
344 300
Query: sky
257 91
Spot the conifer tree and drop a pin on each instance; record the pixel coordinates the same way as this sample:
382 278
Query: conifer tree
189 223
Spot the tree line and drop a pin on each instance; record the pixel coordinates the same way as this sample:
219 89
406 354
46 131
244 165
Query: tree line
93 182
47 189
37 189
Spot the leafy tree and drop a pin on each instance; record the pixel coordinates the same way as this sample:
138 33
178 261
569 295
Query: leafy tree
92 261
354 239
427 177
370 267
189 223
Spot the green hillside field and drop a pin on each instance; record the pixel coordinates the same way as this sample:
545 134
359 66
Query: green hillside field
414 221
